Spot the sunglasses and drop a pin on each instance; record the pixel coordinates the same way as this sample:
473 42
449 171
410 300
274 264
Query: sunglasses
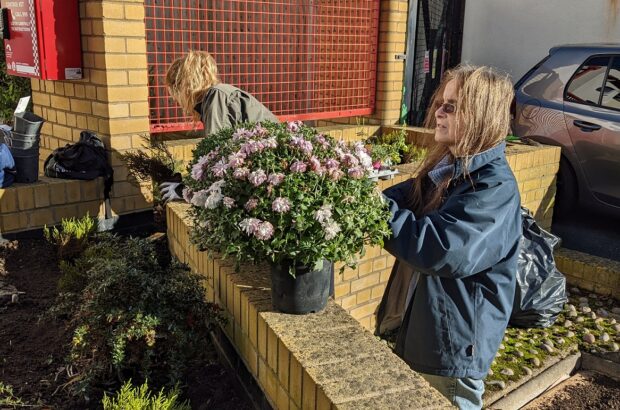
448 108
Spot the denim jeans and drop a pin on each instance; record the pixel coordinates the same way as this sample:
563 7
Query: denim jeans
465 393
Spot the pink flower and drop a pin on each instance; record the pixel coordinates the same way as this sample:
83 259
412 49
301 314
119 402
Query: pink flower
236 160
356 172
350 160
322 141
241 173
219 168
249 225
294 126
303 144
187 194
275 178
259 130
335 174
298 166
315 165
264 231
241 133
251 204
281 205
257 177
228 202
251 147
199 167
270 142
331 163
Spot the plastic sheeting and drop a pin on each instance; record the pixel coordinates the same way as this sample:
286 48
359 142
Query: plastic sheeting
541 289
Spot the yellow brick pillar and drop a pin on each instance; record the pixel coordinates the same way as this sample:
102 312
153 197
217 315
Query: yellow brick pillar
390 71
111 99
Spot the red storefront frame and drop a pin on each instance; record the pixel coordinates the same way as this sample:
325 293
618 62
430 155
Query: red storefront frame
304 59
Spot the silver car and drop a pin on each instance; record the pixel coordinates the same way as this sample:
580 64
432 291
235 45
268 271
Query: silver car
572 99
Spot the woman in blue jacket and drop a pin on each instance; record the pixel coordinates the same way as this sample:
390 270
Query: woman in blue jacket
458 224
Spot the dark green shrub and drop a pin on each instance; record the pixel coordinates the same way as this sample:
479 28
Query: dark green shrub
133 318
11 90
140 398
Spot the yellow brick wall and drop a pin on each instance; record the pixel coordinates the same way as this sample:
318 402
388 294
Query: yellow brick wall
46 202
589 272
111 99
315 361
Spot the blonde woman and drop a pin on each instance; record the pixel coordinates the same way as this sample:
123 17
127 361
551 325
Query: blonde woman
193 81
458 225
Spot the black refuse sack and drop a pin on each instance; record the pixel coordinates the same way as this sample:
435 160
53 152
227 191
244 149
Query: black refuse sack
541 289
86 159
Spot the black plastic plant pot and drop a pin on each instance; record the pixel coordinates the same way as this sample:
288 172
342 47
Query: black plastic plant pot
27 123
307 292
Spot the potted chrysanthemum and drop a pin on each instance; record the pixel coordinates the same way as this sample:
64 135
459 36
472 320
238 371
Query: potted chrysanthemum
287 195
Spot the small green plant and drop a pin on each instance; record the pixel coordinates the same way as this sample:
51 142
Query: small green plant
134 318
140 398
73 235
392 148
7 397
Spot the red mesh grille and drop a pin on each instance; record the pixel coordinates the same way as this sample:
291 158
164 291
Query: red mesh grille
304 59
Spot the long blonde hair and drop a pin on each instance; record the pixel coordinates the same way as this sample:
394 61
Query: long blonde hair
482 121
188 78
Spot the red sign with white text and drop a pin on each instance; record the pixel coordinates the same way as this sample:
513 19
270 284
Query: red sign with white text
22 50
44 39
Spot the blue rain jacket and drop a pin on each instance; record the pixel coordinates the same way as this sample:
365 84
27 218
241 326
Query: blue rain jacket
467 253
6 162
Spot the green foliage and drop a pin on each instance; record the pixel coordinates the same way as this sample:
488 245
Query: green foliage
328 211
392 149
7 397
73 235
11 90
134 318
140 398
155 163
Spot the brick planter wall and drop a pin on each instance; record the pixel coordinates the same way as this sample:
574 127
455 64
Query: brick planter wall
315 361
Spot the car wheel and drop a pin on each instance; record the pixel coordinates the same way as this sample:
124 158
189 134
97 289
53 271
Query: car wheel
566 195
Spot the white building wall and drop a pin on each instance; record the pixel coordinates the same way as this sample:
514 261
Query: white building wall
513 35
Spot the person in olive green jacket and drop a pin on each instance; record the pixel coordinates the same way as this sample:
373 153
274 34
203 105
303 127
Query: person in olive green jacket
193 81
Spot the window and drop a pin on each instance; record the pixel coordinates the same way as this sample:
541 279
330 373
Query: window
611 91
586 85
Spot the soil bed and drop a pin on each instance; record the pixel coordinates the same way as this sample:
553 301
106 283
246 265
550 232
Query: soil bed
33 349
584 390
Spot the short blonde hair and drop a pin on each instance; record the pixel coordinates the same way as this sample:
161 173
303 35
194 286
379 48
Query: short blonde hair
188 79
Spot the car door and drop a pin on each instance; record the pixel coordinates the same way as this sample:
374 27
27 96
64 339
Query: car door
592 116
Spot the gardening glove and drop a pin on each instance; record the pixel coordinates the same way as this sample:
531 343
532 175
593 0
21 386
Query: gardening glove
170 191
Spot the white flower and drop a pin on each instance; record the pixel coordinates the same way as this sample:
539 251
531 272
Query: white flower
323 214
199 198
217 186
257 177
213 200
281 205
331 229
249 225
